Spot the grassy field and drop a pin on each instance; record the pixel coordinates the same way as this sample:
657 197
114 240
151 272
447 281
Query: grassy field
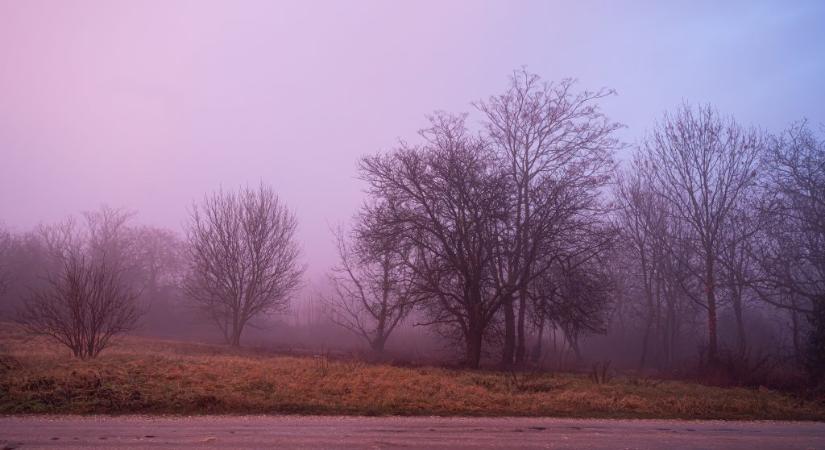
162 377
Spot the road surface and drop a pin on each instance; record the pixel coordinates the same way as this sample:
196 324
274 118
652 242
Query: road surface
390 432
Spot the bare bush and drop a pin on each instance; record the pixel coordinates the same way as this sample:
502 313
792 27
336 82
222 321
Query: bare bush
83 306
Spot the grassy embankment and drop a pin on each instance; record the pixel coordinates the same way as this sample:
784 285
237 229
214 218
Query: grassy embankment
161 377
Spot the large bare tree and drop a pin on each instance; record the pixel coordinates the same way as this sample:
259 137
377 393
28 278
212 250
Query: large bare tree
445 200
556 146
244 257
703 166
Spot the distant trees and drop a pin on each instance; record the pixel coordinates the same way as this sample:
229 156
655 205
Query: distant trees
702 166
159 258
722 215
244 261
86 300
372 287
791 250
159 262
5 249
656 251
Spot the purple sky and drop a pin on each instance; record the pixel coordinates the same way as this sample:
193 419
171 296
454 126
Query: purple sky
150 104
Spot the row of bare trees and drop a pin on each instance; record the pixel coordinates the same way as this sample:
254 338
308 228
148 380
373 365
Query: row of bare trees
683 205
495 237
97 277
716 215
487 231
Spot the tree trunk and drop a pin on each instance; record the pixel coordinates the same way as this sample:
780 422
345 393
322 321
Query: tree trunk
236 335
646 339
646 279
236 340
509 331
474 338
670 345
536 353
815 346
380 337
521 338
740 324
710 290
795 332
377 345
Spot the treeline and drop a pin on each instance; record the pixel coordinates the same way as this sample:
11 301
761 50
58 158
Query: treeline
497 235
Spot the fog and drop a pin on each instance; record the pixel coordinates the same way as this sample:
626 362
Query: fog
150 106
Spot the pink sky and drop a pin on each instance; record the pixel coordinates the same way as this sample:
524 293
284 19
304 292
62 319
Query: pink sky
150 104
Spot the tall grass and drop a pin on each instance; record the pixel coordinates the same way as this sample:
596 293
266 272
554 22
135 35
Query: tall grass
140 375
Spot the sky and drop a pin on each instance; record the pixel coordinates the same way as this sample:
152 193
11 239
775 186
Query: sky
149 105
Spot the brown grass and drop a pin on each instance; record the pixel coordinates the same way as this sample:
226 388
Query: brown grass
161 377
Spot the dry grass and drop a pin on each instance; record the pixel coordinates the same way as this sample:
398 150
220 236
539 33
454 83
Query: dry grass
150 376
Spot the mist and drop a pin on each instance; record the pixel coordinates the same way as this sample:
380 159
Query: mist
150 107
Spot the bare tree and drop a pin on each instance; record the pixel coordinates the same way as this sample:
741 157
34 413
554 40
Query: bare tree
791 252
642 219
556 147
86 301
243 256
657 249
445 199
737 262
703 165
372 287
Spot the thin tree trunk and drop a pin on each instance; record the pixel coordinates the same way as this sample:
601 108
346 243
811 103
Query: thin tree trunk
797 343
740 324
509 332
671 331
521 346
536 354
710 290
646 339
474 339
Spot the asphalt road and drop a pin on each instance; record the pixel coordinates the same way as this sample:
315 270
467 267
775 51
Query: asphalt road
388 432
